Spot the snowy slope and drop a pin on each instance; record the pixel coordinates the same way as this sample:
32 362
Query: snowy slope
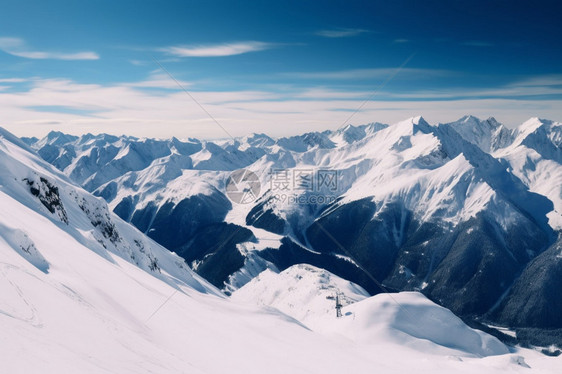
302 290
404 319
34 185
80 294
90 314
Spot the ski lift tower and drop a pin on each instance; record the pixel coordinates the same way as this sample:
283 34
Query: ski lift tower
338 306
338 303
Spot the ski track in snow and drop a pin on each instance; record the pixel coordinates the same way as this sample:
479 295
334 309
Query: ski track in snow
34 319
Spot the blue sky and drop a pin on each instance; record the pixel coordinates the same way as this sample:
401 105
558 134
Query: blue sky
275 67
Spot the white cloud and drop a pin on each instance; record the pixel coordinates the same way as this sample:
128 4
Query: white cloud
340 33
129 109
13 80
218 50
56 56
17 47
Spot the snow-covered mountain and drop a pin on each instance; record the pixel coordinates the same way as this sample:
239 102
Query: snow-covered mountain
83 291
33 193
458 211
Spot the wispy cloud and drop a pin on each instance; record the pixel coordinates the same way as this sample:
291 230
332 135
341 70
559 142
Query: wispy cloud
218 50
132 109
541 81
478 43
340 32
158 79
18 47
378 73
13 80
321 93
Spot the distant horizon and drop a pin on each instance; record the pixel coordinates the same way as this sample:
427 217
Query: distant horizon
179 68
225 137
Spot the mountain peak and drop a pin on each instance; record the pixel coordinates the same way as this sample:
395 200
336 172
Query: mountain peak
469 118
350 133
53 134
258 140
419 120
475 122
374 127
58 138
489 135
419 124
531 125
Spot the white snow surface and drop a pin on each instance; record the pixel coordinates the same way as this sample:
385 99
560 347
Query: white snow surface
407 318
300 291
81 293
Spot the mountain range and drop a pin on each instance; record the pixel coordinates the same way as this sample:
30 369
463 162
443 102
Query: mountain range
467 213
84 291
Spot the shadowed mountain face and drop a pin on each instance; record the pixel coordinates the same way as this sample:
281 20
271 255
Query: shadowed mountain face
466 212
531 300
